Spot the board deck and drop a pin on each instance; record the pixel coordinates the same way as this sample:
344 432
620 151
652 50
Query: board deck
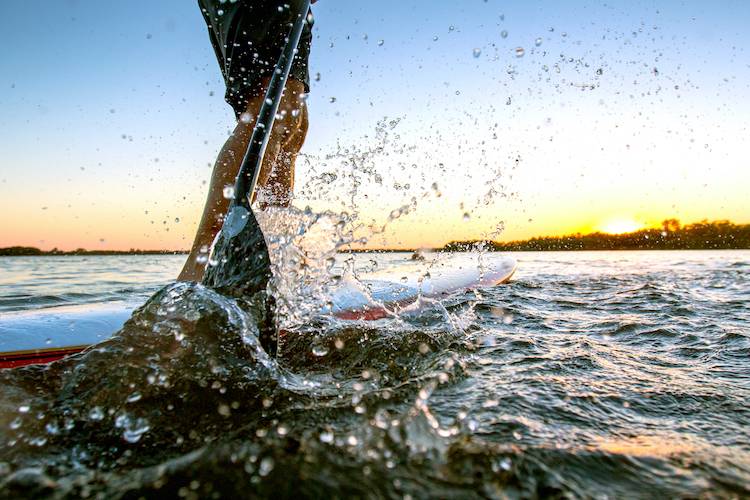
380 294
45 335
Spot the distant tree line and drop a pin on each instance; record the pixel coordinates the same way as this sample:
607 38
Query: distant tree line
20 251
671 235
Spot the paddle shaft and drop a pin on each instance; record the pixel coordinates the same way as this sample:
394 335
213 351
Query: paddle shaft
247 178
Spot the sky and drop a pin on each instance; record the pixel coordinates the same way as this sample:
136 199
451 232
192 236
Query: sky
429 121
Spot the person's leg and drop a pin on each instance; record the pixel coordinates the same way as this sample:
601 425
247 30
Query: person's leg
276 177
276 180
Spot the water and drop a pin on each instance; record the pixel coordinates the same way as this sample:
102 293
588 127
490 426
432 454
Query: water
38 282
593 374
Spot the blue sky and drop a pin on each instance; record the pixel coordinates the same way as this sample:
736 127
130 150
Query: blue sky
111 112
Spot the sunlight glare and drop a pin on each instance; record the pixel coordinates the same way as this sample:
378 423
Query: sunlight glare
621 226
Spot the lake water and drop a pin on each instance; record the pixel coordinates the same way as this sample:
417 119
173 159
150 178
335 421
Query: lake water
592 374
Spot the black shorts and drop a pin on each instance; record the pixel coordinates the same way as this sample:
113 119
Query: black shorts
248 37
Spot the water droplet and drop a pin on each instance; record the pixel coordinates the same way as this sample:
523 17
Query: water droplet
320 350
15 423
228 192
520 51
504 34
326 437
538 42
332 100
136 396
246 117
24 409
266 466
224 410
466 216
96 414
477 52
38 441
352 441
380 43
177 220
134 429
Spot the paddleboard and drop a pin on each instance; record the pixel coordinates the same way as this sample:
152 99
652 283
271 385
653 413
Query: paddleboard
45 335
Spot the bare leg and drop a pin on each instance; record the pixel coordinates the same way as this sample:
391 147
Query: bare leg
276 181
288 133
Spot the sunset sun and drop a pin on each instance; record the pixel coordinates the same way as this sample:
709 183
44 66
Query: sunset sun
620 226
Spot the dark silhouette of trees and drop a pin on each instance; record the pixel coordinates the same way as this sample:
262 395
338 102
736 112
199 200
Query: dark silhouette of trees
32 251
670 225
672 235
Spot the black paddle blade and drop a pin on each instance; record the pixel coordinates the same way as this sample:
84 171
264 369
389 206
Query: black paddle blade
242 269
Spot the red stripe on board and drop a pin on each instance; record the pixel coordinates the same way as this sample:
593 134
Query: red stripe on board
14 360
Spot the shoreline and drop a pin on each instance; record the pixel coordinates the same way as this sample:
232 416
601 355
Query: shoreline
703 235
439 250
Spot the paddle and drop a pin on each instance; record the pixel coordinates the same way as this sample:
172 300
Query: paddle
242 266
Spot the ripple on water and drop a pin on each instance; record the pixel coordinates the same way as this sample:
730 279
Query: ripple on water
631 377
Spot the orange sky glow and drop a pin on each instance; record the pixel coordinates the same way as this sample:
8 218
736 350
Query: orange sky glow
592 129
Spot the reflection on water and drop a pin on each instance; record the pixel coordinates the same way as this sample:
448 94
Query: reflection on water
613 373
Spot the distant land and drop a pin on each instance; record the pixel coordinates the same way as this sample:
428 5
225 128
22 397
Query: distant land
35 252
671 235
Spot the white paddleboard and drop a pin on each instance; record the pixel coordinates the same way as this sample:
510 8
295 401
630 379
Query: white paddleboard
39 336
379 294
